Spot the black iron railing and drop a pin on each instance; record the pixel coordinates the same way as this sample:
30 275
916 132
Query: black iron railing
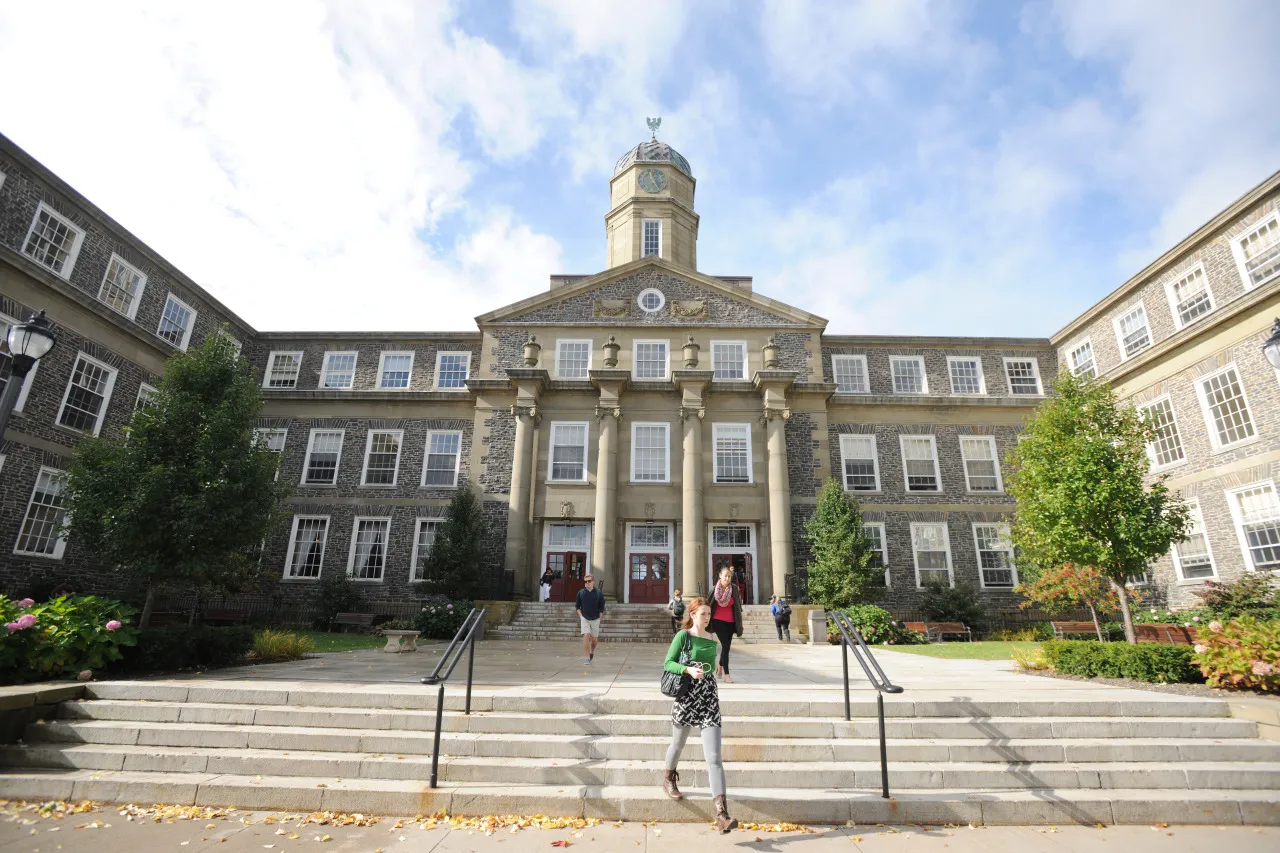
472 627
851 639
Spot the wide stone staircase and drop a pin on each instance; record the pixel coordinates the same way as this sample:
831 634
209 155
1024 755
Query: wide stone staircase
367 748
551 620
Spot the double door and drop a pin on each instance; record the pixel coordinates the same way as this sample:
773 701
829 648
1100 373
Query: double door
743 576
568 568
649 578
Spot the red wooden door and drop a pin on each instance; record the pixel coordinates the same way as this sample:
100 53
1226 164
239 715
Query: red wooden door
569 567
740 565
650 576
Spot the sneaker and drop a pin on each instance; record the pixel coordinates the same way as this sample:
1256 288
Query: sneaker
587 662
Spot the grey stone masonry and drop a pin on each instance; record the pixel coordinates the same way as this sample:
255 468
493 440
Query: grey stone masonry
368 359
495 476
937 373
509 353
794 353
802 456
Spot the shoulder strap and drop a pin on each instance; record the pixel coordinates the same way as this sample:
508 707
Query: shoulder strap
688 641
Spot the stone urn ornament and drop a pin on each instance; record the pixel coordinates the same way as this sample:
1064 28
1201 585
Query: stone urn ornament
770 351
691 354
400 636
532 349
611 348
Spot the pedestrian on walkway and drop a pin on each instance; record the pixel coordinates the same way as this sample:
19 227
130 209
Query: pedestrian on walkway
726 617
700 707
781 616
590 607
544 585
676 608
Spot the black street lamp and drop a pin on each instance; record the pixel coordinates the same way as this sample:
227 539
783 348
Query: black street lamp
28 343
1271 349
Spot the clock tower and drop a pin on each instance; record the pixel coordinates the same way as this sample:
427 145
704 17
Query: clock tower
651 206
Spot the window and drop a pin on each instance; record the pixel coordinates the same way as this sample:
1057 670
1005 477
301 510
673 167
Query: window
966 375
1082 360
1024 376
41 534
733 452
394 370
176 322
932 547
652 241
729 359
235 342
1258 252
368 556
874 530
654 536
1191 557
339 370
651 360
1256 512
920 463
650 453
995 556
850 374
651 299
306 546
444 455
324 451
735 536
146 393
273 440
382 457
282 370
6 364
908 375
568 452
1190 297
423 538
53 241
87 395
981 464
122 286
1225 407
860 464
1132 332
573 359
452 369
1166 449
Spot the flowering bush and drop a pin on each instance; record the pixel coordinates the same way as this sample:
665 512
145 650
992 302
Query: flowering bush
876 626
62 636
1187 617
1242 653
1253 594
440 620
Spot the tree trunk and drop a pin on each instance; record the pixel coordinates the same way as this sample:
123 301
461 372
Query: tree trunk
1097 626
145 620
1123 595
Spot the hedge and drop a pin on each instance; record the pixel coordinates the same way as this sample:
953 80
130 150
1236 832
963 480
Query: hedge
1151 662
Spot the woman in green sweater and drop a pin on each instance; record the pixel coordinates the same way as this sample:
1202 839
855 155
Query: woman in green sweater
699 707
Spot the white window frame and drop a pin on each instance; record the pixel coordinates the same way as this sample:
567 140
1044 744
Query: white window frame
635 360
368 451
262 435
1237 251
1172 295
982 376
924 375
1156 465
937 472
325 370
386 548
132 313
382 370
1197 515
1093 361
875 461
666 427
716 430
1035 369
72 254
964 460
1207 411
191 324
866 374
60 542
112 374
7 322
1140 305
560 344
271 360
435 380
426 454
1002 530
1237 518
643 253
915 554
337 465
144 390
884 540
743 363
556 428
293 542
418 524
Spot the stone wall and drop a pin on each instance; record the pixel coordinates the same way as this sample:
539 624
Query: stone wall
802 455
499 451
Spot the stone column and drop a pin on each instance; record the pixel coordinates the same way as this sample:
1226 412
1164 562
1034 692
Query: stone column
518 502
693 517
602 541
779 499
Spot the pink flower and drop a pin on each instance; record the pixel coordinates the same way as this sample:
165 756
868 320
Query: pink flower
1263 668
449 607
12 626
1173 610
85 675
1215 625
26 620
1186 624
26 602
1195 618
894 624
1201 648
113 624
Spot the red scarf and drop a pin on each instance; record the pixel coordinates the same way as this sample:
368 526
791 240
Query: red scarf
723 595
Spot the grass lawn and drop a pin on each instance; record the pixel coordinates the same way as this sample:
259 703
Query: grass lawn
327 642
991 650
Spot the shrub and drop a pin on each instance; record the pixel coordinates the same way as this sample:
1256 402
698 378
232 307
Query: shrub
877 626
1188 617
953 604
188 646
440 620
1151 662
1030 660
1253 594
1036 632
62 636
336 593
269 645
1242 653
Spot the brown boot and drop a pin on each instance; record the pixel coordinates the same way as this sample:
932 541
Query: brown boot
672 777
724 823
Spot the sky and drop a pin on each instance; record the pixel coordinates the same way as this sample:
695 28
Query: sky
974 167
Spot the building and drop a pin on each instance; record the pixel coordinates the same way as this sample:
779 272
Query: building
650 423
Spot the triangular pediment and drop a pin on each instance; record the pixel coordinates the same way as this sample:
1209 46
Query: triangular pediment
691 299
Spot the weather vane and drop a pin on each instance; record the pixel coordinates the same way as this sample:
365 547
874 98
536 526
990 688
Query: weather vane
654 124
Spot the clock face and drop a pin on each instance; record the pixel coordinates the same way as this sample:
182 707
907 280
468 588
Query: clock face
652 181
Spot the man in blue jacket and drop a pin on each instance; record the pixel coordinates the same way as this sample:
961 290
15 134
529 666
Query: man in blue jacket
590 607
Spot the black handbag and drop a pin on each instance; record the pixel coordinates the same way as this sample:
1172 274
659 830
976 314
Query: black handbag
677 686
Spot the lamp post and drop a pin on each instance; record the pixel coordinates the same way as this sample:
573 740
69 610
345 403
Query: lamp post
1271 349
28 343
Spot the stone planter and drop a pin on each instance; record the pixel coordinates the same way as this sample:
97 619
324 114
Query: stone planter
400 641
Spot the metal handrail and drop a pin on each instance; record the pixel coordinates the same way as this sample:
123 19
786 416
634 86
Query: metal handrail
472 626
852 639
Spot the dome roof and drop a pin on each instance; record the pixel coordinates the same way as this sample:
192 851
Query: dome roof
653 151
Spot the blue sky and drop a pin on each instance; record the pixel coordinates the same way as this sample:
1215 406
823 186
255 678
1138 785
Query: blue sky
899 167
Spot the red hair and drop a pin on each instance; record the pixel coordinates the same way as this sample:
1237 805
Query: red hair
692 609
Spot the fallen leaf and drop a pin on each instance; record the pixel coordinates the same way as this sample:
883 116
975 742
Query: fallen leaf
563 842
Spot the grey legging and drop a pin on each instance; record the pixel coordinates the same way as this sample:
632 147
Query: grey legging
710 752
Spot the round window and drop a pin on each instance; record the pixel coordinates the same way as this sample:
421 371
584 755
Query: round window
651 300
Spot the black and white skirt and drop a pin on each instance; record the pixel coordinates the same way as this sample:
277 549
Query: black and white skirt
700 708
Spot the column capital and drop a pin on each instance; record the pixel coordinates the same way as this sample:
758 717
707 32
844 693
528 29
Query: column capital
686 412
530 413
604 411
771 413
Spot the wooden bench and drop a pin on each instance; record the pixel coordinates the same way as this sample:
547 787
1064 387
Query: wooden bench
1062 630
1174 635
227 616
918 627
934 631
352 620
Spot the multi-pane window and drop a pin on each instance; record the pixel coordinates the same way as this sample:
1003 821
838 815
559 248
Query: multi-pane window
382 457
995 555
859 462
324 451
88 393
1082 360
176 322
1023 375
850 374
732 452
650 453
368 560
874 531
734 536
1132 331
966 375
423 538
122 286
1258 252
339 370
452 369
920 463
573 359
41 532
568 452
981 465
651 536
1166 448
651 360
306 546
282 370
146 393
1256 511
53 241
729 359
652 238
651 300
394 370
929 542
1192 556
273 440
1190 297
908 375
444 454
1226 409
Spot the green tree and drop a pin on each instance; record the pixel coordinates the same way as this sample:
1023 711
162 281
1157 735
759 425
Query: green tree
453 566
187 494
1064 587
1079 479
839 573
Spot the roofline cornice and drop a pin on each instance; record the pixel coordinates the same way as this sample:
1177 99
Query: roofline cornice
472 337
936 341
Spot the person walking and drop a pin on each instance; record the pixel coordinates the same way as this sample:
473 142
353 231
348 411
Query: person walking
676 607
544 585
781 616
700 707
726 617
590 607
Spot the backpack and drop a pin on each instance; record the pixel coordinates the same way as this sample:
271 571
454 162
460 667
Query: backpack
784 609
677 608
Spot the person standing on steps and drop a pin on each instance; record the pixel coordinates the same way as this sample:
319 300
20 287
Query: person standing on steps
544 585
726 617
590 607
781 616
700 707
676 607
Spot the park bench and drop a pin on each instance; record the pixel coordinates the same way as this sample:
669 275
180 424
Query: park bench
226 616
352 620
934 631
1062 630
1174 635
